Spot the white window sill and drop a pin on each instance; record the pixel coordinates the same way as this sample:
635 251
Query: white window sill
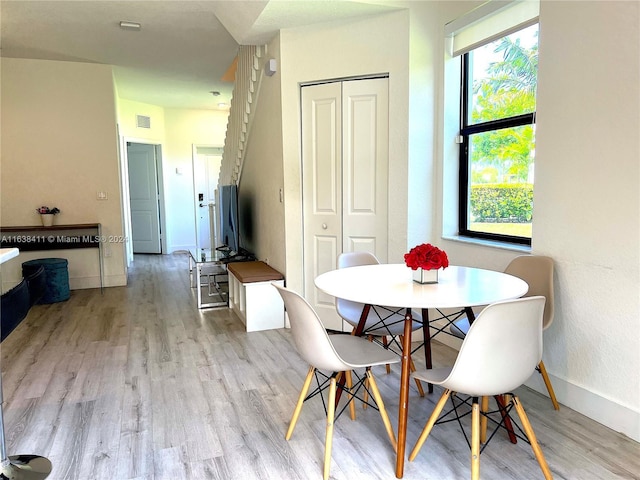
489 243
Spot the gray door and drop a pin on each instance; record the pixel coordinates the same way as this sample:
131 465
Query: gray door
143 192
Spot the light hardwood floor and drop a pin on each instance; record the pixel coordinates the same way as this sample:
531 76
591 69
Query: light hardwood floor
136 383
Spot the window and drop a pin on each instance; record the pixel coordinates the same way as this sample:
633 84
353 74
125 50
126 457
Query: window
497 135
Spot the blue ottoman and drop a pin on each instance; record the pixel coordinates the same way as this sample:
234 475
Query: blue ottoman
56 278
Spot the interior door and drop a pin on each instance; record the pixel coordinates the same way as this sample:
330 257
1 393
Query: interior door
322 191
144 195
345 168
206 170
365 166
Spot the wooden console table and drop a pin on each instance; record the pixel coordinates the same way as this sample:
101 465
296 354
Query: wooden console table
56 237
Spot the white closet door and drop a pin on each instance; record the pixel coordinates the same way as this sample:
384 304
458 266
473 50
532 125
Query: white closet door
345 166
365 166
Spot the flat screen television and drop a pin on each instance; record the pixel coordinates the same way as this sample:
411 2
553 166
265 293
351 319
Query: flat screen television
229 227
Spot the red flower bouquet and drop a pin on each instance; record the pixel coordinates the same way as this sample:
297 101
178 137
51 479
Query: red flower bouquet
427 257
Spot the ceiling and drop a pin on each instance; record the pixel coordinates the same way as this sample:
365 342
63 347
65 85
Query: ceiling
182 50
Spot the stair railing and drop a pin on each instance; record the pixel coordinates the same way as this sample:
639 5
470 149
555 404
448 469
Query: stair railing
243 105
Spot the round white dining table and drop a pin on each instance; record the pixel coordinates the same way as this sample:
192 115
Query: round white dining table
392 285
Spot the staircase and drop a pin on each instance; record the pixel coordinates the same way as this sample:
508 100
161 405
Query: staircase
243 104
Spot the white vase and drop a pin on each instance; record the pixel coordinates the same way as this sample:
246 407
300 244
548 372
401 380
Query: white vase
47 219
425 276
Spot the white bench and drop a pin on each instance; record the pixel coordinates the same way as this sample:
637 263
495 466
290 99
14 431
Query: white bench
253 298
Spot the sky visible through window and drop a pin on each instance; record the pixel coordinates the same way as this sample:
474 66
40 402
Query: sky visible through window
485 55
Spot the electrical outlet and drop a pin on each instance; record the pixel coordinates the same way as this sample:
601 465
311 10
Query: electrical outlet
102 195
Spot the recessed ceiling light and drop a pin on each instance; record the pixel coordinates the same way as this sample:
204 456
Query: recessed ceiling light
130 25
215 93
223 105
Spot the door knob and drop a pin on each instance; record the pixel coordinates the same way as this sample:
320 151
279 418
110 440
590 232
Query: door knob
324 226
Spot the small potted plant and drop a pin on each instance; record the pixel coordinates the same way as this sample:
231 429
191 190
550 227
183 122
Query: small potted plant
47 214
426 261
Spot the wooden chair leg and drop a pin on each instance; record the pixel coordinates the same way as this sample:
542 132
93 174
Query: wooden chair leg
385 343
331 411
352 406
526 426
475 440
383 412
365 394
484 407
412 366
303 395
547 382
430 423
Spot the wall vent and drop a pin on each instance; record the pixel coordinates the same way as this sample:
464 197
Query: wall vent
143 121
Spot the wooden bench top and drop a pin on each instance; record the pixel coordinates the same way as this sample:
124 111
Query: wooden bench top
250 272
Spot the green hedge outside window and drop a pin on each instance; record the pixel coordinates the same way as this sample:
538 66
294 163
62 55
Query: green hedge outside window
512 202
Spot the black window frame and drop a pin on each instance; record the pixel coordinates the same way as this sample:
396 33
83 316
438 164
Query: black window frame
465 131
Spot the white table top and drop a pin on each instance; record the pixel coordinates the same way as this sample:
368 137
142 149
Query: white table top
8 254
392 285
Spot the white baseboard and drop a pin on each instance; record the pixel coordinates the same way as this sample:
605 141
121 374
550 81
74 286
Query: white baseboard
179 248
81 283
603 410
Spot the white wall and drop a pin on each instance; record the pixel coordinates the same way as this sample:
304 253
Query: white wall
128 110
587 203
426 111
185 128
59 148
262 173
377 44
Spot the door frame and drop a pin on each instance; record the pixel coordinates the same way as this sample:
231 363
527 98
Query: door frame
194 155
126 198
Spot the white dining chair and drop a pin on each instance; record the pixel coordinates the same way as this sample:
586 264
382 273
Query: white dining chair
537 271
498 354
339 354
